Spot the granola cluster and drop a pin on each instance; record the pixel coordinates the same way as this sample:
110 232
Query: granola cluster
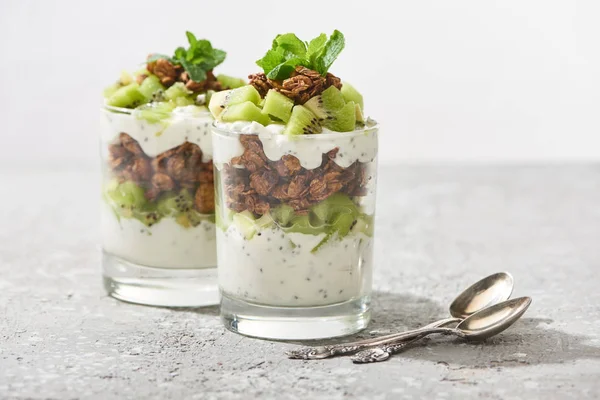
303 84
169 73
253 182
177 168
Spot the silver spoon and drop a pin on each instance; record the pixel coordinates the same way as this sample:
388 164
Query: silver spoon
490 290
479 326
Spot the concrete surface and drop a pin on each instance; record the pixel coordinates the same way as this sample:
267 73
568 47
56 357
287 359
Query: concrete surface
438 230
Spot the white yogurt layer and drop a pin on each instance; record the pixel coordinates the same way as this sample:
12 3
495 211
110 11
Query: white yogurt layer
278 269
353 146
164 245
186 124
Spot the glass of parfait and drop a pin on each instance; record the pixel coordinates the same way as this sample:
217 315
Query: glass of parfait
295 180
157 211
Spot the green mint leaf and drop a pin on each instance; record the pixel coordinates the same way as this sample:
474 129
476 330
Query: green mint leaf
197 73
180 53
291 45
157 56
191 38
329 52
315 46
271 60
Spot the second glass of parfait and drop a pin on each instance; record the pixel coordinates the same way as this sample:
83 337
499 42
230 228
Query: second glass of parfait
157 213
295 178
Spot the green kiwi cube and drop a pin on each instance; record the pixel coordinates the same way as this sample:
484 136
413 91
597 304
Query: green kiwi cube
151 85
245 223
177 90
302 122
359 114
218 102
282 214
246 111
110 90
154 112
302 224
344 120
127 97
342 224
243 94
230 82
278 105
325 105
351 94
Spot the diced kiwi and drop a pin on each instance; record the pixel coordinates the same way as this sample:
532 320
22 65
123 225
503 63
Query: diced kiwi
147 218
125 78
110 90
277 105
246 111
351 94
326 104
364 224
150 86
221 100
282 214
245 223
342 224
190 219
183 101
264 221
344 120
230 82
224 217
172 203
302 122
127 97
177 90
336 204
360 118
302 224
126 197
154 112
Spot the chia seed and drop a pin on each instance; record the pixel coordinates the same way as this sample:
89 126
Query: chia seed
280 247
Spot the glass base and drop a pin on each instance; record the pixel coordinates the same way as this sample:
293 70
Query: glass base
166 287
295 323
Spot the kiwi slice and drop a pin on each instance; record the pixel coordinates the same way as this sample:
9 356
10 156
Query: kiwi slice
150 86
246 111
326 104
221 100
277 105
282 214
351 94
303 224
154 112
229 82
344 120
245 223
302 122
177 90
334 205
127 97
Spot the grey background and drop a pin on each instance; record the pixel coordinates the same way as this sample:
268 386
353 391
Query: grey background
438 230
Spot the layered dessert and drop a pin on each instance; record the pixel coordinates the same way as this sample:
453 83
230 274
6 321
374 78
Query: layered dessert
295 161
158 190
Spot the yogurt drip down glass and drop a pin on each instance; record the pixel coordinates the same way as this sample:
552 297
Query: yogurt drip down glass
294 229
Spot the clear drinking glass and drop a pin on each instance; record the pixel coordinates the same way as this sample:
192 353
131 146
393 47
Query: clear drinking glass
295 231
157 215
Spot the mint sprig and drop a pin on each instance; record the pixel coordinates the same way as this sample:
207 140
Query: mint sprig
288 52
197 60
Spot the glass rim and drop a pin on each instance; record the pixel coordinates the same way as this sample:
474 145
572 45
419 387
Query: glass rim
318 136
131 111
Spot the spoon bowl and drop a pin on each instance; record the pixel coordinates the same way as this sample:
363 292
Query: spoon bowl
494 319
490 290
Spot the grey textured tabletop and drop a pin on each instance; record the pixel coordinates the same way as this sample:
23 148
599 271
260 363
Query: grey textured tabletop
438 230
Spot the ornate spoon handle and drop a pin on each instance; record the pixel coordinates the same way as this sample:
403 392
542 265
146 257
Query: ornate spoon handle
382 353
320 352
